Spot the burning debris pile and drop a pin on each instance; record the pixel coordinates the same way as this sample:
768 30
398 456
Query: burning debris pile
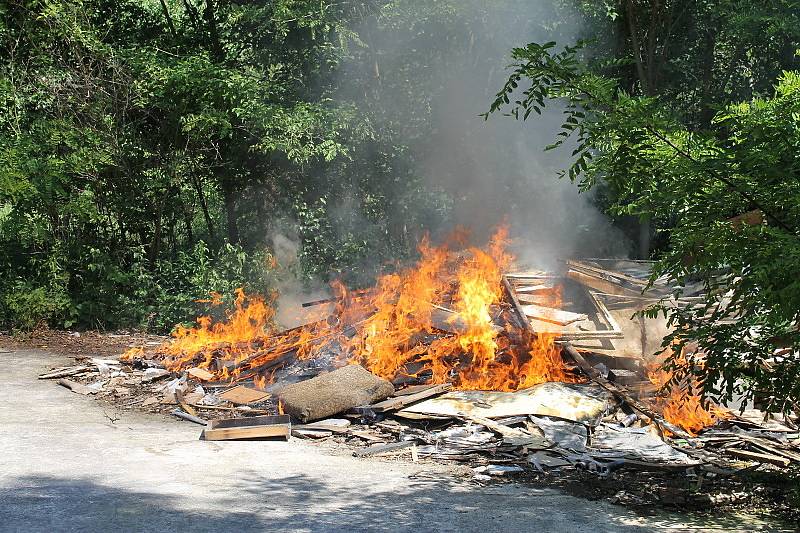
460 357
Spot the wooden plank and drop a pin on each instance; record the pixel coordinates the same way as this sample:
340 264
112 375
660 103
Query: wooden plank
601 284
413 389
383 448
64 372
536 299
224 423
530 274
550 314
521 318
322 427
398 402
758 457
247 432
241 395
604 312
533 288
248 428
787 454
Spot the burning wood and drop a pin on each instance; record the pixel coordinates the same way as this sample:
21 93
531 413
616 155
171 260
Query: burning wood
454 321
446 317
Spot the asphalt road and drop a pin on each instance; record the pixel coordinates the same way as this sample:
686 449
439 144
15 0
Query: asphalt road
65 466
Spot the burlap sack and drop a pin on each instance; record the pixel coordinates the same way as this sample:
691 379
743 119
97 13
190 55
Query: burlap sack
333 393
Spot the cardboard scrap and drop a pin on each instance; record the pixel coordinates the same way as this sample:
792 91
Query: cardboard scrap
200 373
241 395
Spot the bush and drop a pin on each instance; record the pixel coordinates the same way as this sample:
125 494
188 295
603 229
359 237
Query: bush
28 307
103 291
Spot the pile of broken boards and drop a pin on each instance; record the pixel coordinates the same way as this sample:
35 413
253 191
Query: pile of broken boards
551 427
548 427
601 425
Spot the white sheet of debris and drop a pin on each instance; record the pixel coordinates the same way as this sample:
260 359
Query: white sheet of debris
616 442
585 403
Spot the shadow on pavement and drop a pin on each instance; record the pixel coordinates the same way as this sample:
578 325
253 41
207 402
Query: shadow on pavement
294 503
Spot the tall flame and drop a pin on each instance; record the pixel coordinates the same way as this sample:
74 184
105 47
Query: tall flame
436 317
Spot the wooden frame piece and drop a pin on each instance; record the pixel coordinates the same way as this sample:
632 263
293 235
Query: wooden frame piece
611 331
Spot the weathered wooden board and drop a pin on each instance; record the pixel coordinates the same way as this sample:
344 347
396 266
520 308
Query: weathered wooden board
64 372
398 402
758 457
248 428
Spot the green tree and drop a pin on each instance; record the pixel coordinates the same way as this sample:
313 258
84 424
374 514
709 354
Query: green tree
746 331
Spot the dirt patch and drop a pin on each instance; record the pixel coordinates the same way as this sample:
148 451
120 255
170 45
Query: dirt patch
78 343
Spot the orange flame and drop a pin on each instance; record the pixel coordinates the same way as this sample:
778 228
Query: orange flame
681 405
436 317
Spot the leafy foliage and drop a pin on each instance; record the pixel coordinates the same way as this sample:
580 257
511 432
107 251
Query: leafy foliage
137 137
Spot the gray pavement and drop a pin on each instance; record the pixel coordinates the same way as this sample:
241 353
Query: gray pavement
64 466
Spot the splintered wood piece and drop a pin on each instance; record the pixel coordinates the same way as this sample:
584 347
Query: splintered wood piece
241 395
759 457
248 428
183 403
398 402
74 386
200 373
549 314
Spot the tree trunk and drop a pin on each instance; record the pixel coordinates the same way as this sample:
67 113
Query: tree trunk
230 213
155 246
203 206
